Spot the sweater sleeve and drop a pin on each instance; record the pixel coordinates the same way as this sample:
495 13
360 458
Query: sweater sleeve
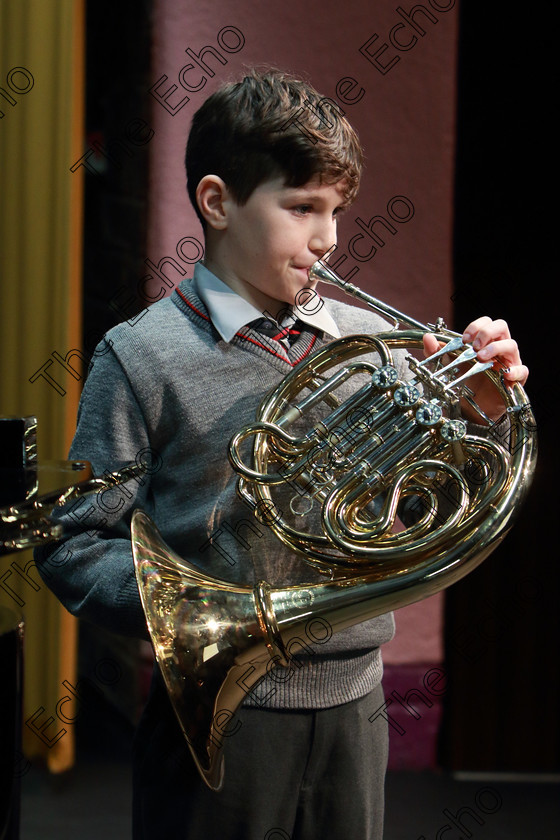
91 569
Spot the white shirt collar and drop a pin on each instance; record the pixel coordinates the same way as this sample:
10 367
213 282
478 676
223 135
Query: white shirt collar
229 311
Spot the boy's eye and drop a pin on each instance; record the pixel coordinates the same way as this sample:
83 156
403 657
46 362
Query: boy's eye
304 209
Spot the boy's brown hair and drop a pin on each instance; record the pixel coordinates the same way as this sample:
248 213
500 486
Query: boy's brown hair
266 126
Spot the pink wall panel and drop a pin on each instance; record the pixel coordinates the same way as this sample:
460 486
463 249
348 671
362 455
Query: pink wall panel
404 111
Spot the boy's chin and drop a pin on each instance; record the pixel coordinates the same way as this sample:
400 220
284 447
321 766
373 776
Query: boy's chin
287 293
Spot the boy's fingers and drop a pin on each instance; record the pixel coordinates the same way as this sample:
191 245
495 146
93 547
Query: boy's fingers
505 349
484 329
431 344
516 373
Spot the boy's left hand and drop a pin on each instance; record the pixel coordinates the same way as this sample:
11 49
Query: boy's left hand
492 340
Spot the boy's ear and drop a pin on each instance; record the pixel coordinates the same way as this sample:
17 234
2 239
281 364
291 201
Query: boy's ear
212 196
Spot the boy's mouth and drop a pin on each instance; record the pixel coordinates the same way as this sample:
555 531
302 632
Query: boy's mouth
303 269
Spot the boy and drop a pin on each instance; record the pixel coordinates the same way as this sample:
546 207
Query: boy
303 760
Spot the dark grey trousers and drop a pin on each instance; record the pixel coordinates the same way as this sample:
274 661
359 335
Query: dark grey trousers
289 775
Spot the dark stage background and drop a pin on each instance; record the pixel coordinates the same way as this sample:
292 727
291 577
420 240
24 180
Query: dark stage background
502 622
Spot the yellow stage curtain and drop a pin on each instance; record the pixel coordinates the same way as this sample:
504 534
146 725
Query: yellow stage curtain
42 95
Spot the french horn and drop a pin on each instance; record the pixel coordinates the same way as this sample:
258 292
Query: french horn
31 490
408 497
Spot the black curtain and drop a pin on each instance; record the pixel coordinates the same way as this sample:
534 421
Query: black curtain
502 622
117 149
116 163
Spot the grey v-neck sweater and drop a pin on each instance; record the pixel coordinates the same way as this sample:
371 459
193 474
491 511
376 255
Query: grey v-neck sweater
170 392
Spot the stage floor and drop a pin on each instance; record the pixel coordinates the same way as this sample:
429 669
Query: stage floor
93 802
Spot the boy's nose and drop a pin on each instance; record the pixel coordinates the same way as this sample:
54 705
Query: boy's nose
323 237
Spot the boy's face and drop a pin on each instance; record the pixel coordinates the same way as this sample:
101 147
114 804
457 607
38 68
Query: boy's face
267 246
